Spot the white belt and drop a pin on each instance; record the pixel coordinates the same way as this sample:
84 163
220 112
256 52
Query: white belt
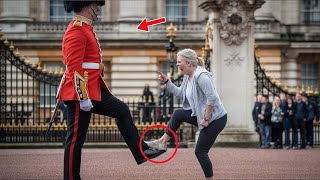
89 65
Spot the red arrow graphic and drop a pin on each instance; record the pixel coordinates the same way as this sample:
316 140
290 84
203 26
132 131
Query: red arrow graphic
144 25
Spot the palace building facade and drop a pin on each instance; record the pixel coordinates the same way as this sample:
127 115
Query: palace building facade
287 38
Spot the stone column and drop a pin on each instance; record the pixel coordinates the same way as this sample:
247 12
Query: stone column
107 11
161 8
232 64
265 12
290 68
192 10
14 17
42 12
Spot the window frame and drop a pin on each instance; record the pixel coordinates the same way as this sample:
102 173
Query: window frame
311 14
66 17
310 73
177 4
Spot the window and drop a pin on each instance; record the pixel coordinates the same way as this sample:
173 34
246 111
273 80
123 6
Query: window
177 10
48 92
132 8
15 7
310 11
310 74
57 12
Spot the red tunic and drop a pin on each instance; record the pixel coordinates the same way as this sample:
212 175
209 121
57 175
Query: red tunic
80 44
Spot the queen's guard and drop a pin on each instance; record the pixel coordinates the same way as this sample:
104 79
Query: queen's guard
84 91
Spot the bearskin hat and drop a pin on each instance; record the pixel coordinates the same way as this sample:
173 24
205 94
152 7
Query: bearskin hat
77 5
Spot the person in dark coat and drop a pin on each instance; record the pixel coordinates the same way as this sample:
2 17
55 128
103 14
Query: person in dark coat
264 121
148 100
300 117
291 124
255 113
311 115
163 100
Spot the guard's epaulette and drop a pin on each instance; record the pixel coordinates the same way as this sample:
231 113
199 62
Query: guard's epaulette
77 23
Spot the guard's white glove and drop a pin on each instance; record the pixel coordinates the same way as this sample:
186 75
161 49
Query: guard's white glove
86 105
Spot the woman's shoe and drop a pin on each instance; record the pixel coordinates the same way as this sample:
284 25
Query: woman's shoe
156 144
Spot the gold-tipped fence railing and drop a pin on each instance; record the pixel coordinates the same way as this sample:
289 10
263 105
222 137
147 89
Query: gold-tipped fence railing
27 99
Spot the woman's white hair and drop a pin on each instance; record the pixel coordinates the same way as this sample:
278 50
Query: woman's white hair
191 57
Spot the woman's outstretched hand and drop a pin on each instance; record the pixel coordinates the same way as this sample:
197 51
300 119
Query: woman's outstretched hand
163 78
204 123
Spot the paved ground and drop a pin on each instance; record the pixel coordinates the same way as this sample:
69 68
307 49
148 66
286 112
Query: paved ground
117 164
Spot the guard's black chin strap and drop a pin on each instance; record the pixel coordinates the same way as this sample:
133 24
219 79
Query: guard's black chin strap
95 17
94 13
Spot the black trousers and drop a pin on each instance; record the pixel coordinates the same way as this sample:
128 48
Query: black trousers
277 129
206 137
309 132
77 127
301 125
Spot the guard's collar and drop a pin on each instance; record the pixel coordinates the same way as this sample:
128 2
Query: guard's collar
83 19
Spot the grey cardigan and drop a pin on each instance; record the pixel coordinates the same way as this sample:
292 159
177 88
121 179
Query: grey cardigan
204 93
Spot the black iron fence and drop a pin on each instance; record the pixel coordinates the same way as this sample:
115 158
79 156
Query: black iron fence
265 85
310 17
27 99
101 129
